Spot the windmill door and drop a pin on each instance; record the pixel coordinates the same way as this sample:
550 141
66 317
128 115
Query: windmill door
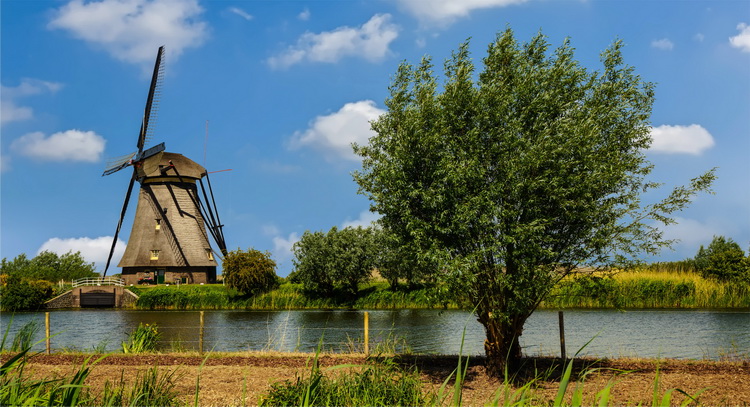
160 276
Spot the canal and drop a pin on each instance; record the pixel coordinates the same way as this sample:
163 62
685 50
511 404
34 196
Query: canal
683 334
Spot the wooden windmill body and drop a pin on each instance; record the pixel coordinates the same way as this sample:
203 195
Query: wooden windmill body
168 242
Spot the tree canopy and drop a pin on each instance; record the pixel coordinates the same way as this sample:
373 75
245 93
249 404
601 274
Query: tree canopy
513 178
338 258
49 266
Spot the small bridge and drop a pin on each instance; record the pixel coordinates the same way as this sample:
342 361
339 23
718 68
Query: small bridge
109 292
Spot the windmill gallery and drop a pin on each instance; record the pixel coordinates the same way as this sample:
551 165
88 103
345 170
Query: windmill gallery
168 241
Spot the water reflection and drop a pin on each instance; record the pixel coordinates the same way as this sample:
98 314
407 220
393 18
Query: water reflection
644 333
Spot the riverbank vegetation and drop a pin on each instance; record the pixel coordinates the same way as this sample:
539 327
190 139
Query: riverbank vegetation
648 287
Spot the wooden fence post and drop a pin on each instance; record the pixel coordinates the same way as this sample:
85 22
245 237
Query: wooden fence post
563 356
200 339
46 332
367 333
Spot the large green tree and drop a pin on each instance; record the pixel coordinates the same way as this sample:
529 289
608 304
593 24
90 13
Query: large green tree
517 176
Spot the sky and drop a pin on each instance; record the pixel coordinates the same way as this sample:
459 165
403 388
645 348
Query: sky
277 91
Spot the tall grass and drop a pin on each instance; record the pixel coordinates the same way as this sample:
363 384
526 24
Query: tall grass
145 338
647 288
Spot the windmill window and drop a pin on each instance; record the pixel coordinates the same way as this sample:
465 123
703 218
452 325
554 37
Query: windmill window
158 224
154 254
210 254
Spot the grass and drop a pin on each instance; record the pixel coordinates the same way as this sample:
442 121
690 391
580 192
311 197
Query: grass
145 338
647 288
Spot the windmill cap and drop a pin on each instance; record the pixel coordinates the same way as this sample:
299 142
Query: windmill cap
160 165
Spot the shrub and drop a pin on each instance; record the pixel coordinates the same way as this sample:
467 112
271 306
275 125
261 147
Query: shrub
250 272
19 294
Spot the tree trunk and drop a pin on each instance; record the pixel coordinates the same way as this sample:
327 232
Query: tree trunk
502 346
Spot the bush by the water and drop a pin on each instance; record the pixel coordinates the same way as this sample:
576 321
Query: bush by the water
19 294
250 272
723 260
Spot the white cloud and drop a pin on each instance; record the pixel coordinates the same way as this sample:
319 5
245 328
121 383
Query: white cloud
304 15
446 11
282 247
691 234
692 139
70 145
93 250
366 218
370 41
663 44
741 40
132 30
699 37
334 134
10 111
4 163
242 13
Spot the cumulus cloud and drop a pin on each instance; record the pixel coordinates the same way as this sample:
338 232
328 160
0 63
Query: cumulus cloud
663 44
692 139
334 134
70 145
691 234
93 250
741 40
132 30
369 41
242 13
366 218
446 11
10 111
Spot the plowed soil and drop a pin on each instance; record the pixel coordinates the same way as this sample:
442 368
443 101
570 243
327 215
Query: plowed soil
228 379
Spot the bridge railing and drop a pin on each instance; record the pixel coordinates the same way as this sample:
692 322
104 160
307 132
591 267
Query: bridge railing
98 281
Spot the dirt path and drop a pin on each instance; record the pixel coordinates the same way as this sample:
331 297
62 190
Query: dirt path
241 379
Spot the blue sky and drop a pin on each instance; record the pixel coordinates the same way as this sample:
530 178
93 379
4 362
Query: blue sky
287 86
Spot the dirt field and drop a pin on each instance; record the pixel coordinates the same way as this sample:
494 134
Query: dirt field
226 379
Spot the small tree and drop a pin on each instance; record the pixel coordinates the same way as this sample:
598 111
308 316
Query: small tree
723 260
312 268
340 257
353 256
251 272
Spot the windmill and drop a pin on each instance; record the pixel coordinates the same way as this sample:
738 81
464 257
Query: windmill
168 241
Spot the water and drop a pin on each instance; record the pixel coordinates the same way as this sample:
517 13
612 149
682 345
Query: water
685 334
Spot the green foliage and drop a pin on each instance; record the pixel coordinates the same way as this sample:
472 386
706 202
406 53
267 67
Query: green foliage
145 338
340 257
513 180
378 384
49 266
20 294
400 260
723 260
250 272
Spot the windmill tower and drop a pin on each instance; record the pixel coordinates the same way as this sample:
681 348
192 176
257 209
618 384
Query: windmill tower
168 242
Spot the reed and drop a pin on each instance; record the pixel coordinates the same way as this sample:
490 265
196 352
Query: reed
145 338
647 288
